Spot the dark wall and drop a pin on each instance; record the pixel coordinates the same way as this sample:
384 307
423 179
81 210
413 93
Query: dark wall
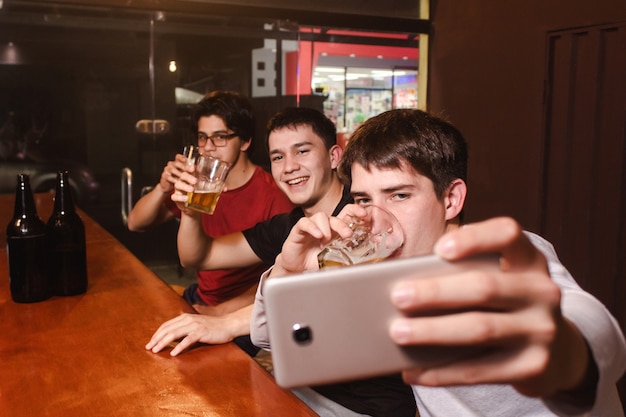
486 75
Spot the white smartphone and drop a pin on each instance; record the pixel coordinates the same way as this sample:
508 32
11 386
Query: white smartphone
333 325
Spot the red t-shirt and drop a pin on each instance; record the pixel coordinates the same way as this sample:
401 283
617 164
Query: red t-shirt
239 209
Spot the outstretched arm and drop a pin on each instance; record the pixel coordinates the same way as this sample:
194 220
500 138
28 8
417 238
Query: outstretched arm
515 314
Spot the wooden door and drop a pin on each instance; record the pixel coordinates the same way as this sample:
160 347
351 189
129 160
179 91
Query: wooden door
583 207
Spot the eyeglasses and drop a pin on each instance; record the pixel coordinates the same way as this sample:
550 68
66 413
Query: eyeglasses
218 139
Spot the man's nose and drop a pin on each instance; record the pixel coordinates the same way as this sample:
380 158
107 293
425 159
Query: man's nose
291 164
209 146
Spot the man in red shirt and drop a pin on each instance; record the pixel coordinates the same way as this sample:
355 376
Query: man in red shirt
224 125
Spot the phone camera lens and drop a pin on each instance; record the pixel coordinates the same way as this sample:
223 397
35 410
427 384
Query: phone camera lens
302 334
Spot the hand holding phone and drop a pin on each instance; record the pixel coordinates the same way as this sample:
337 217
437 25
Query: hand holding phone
333 325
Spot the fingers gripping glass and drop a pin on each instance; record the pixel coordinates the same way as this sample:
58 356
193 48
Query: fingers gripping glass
191 152
374 237
218 139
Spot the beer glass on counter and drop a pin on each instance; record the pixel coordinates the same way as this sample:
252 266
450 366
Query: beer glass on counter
211 174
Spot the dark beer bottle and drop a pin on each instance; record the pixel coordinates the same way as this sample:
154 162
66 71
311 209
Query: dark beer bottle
65 233
26 248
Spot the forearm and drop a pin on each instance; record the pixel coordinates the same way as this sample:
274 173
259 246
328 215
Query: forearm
606 353
150 210
230 306
232 323
198 250
193 244
239 321
582 395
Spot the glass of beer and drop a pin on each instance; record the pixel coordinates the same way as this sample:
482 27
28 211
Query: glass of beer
211 174
191 152
374 238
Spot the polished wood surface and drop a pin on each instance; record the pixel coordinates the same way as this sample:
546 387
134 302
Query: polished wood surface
84 355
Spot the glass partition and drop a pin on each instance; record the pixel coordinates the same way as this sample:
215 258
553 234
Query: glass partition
356 94
99 89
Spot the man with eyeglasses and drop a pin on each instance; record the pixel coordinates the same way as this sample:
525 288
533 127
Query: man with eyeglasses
303 150
224 125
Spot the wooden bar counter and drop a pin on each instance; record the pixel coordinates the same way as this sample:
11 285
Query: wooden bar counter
84 355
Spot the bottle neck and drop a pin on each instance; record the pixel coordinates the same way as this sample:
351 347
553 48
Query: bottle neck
63 202
24 200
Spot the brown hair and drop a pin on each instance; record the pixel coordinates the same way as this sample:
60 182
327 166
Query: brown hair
432 146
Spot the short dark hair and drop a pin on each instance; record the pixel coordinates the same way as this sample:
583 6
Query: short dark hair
293 117
233 108
432 146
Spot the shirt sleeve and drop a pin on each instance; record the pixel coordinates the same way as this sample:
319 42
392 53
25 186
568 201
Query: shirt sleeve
258 323
266 238
599 328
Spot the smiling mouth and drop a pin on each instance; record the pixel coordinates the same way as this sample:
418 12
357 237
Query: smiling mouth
297 181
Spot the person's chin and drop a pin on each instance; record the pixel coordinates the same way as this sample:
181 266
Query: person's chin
297 193
299 199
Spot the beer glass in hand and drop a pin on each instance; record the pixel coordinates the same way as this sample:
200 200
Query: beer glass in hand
374 237
211 174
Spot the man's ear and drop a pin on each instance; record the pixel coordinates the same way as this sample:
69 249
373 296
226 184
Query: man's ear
335 156
245 145
454 198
